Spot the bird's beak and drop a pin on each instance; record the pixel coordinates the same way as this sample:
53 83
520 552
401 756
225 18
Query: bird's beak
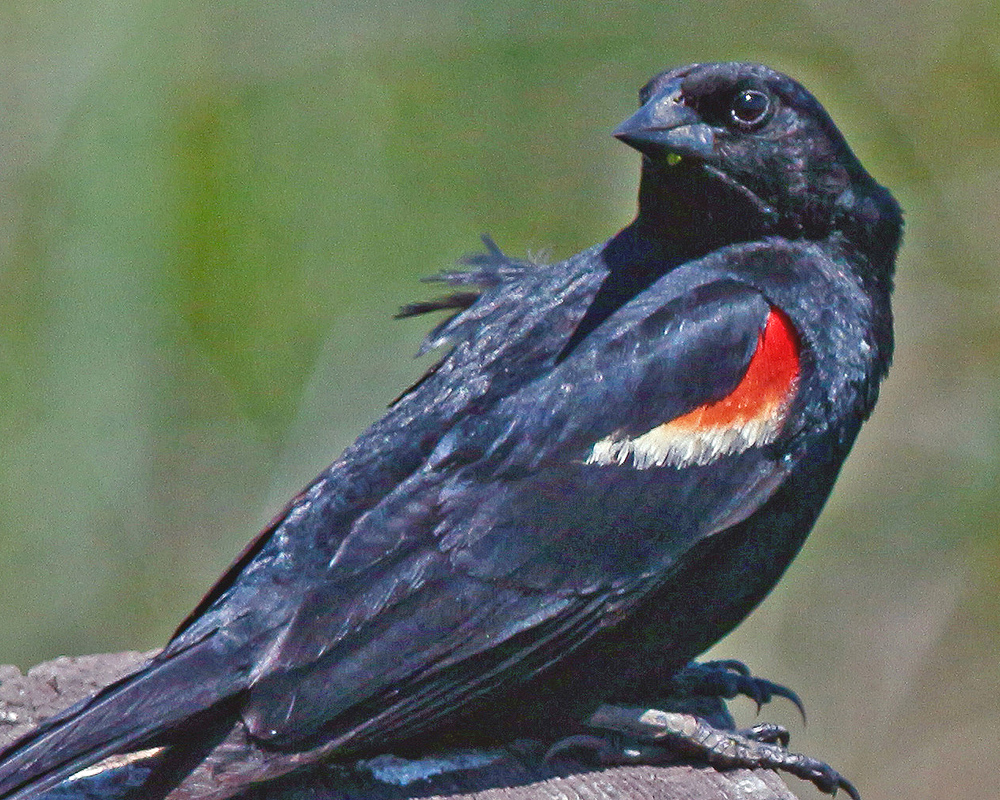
667 130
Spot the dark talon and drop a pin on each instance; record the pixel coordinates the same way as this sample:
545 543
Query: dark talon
770 690
821 775
848 787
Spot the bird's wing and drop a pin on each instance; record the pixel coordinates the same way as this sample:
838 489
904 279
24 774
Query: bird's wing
537 523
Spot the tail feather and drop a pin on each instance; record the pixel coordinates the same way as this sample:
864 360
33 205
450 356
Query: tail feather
129 714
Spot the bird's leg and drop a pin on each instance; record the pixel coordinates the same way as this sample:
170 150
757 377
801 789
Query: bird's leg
693 721
645 735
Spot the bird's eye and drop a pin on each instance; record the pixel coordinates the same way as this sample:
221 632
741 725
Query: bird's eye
751 108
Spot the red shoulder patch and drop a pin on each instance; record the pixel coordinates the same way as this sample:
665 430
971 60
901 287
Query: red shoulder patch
766 387
751 414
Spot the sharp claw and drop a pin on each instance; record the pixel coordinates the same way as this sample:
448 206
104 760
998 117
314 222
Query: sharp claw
848 787
822 776
777 690
796 701
788 694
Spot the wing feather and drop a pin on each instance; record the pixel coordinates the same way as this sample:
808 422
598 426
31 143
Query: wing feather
506 550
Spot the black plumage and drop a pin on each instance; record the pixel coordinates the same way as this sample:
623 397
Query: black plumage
504 549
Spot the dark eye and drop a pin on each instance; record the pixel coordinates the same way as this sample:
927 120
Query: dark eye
751 108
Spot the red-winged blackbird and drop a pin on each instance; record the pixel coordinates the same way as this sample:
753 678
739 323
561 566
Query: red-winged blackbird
614 462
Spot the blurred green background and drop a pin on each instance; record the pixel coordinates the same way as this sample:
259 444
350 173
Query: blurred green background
209 212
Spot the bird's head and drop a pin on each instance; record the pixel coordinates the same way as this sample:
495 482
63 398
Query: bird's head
740 150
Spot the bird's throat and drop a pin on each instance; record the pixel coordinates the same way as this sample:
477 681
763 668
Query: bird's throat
694 208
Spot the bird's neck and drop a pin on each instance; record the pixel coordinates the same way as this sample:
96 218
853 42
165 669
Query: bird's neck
688 213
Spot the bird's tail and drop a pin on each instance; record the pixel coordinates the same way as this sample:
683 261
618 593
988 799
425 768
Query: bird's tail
129 714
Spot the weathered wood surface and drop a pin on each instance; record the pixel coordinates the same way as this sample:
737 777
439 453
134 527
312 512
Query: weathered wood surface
517 774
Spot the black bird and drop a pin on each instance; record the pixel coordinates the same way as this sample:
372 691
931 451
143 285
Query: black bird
613 463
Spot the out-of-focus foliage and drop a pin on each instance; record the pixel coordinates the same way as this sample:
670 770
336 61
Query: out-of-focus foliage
209 211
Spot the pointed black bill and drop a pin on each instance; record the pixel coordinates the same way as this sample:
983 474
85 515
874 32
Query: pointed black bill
664 128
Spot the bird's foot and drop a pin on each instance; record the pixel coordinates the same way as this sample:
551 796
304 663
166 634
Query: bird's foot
728 679
762 746
615 748
651 736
